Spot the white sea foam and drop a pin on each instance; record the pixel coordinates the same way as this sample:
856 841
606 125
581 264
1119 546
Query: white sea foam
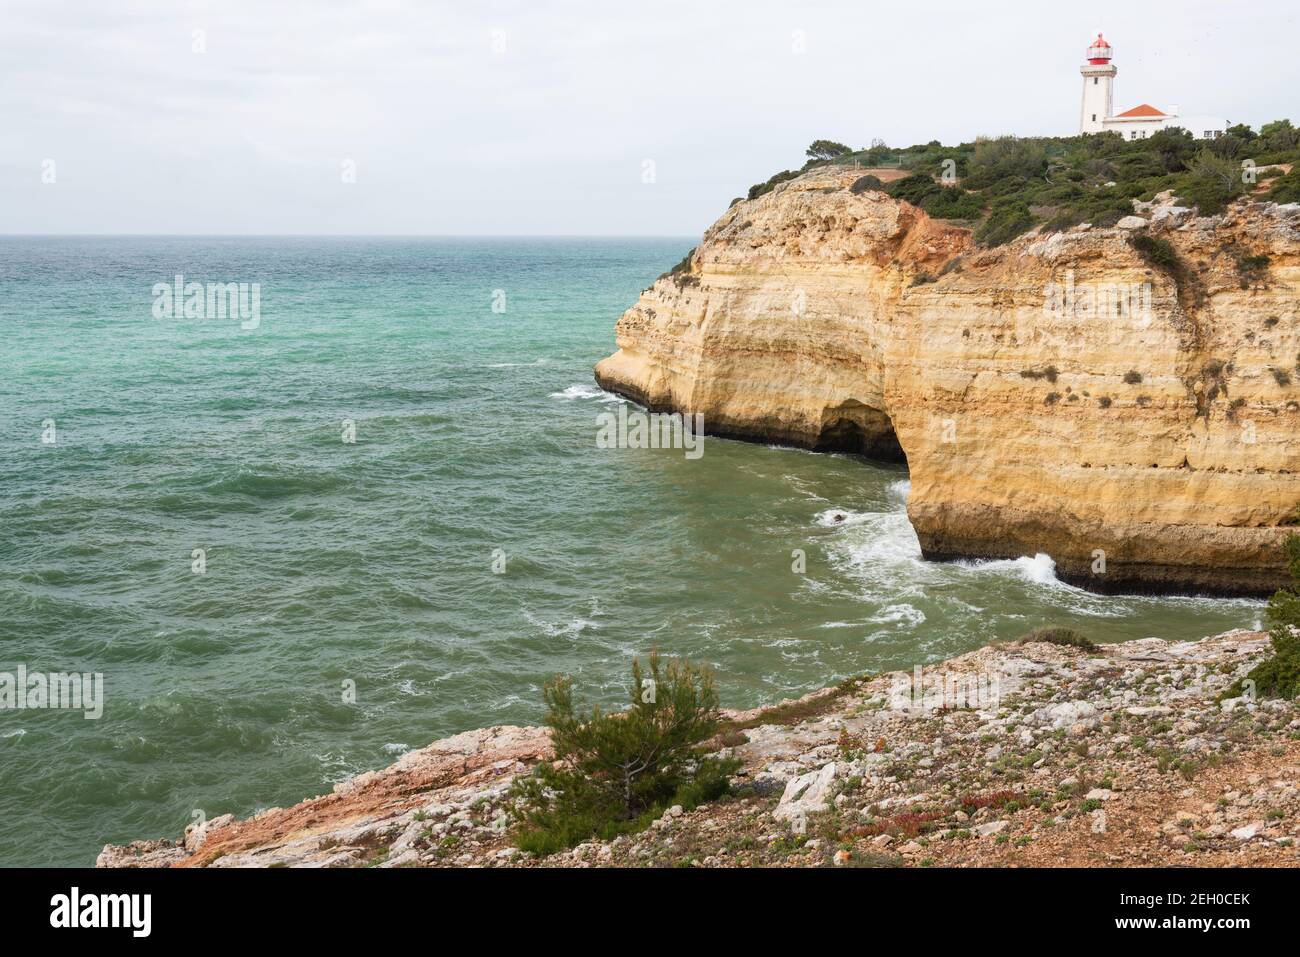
516 365
336 768
842 517
902 614
397 748
577 392
885 540
1041 569
565 629
587 392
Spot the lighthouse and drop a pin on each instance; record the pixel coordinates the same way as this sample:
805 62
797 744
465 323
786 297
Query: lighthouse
1098 87
1098 115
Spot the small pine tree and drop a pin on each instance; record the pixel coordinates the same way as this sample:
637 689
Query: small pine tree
615 772
826 150
1212 183
1279 676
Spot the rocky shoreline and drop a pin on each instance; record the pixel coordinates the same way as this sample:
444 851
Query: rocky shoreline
1032 754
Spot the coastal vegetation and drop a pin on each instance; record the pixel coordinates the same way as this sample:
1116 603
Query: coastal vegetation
681 273
1279 676
1004 186
1066 637
864 183
616 772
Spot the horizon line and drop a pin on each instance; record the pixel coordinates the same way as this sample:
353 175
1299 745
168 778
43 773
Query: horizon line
348 235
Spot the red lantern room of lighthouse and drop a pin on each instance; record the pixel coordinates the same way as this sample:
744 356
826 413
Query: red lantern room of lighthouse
1098 87
1099 53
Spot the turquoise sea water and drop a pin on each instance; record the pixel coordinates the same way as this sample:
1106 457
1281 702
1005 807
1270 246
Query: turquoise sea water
372 562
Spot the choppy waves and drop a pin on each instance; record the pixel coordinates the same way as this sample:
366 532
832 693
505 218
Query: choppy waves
360 598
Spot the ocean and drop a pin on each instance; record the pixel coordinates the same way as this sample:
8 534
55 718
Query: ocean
377 515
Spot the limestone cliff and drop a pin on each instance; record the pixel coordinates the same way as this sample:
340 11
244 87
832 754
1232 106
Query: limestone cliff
1059 394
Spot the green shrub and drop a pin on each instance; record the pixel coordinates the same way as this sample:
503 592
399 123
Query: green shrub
914 189
864 183
683 266
942 202
1132 377
1013 186
1007 220
1279 676
614 773
1156 252
1252 269
681 273
1050 374
1212 183
1279 135
1006 156
1174 146
952 202
1160 254
1286 189
1055 635
760 189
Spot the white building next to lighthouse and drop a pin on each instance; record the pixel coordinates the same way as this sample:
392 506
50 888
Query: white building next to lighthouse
1098 113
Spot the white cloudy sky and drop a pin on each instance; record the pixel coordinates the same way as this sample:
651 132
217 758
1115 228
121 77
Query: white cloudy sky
550 136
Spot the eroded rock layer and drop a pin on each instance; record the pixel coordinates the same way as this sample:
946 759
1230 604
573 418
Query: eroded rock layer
1059 394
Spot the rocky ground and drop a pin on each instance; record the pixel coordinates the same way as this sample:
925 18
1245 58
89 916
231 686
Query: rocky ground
1122 756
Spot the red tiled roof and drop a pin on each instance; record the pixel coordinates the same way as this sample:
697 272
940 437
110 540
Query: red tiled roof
1146 109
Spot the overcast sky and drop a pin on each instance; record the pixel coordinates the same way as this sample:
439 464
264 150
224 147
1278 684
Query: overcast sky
539 116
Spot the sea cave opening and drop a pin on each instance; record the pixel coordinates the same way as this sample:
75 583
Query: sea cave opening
853 426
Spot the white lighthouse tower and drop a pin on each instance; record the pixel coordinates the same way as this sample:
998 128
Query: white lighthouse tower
1098 87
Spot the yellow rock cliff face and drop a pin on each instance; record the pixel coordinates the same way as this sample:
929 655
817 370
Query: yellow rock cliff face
1057 395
